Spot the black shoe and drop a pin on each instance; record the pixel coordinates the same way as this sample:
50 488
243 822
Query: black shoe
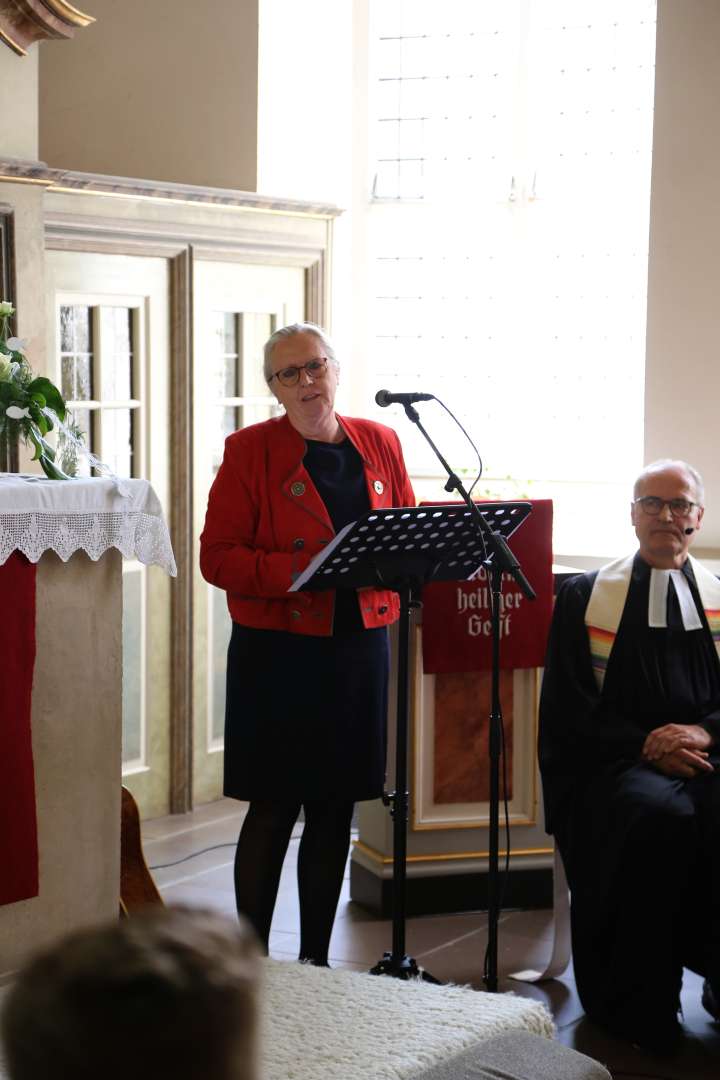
664 1040
313 962
709 1001
663 1037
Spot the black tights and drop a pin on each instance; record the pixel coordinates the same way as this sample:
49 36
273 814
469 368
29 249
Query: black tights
259 858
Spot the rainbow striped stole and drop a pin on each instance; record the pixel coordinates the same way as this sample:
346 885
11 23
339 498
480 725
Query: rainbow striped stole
607 602
713 618
604 611
601 643
709 589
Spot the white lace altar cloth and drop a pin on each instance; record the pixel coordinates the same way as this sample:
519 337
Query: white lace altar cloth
84 514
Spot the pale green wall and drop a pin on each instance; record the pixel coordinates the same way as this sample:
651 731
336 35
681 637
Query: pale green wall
163 90
18 104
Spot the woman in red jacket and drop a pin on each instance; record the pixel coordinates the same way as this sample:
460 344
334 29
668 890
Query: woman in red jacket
307 672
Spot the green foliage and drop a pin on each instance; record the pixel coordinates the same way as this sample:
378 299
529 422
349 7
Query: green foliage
46 393
29 405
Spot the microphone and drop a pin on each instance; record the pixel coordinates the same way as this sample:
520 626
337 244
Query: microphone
689 532
383 398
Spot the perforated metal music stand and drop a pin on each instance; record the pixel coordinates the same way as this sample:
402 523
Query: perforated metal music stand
425 543
404 549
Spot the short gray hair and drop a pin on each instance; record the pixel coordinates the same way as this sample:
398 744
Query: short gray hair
673 463
290 331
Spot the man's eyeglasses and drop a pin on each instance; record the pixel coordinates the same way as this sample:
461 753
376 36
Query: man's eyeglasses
290 376
653 504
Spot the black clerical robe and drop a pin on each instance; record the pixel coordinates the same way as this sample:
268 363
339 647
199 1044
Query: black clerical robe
641 850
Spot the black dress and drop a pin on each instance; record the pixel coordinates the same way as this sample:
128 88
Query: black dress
305 716
641 849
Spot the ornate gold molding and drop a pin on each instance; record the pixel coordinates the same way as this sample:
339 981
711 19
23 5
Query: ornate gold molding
23 22
69 13
449 856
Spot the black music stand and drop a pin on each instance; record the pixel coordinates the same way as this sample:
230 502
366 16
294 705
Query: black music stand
404 549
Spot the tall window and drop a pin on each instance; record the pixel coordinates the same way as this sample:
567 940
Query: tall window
512 145
237 395
101 381
97 380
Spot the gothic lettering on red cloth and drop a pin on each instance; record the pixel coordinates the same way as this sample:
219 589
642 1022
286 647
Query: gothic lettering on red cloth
456 621
18 824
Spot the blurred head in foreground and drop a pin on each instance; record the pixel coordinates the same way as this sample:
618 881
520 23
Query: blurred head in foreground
169 992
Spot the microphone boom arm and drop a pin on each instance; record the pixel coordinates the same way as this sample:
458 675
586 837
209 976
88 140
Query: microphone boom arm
494 543
498 559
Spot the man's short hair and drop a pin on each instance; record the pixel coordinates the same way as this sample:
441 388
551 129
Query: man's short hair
170 992
673 463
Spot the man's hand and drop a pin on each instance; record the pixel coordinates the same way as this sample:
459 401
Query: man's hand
683 762
672 737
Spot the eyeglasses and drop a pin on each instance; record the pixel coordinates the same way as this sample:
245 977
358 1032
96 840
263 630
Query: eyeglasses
653 504
290 376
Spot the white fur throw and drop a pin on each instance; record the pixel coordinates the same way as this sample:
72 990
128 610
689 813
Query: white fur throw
321 1024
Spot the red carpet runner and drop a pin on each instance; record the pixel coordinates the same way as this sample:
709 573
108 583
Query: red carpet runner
18 825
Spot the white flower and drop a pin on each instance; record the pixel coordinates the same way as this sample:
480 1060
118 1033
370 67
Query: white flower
6 308
16 413
8 368
16 344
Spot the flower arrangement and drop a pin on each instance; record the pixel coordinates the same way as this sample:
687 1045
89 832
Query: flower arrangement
30 406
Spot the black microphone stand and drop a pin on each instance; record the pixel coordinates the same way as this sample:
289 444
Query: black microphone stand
397 963
403 549
499 559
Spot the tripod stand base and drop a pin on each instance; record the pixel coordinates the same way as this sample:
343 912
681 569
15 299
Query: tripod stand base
403 967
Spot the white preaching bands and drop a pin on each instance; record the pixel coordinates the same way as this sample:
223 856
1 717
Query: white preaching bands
657 599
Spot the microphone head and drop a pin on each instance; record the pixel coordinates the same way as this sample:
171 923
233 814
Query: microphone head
383 398
689 532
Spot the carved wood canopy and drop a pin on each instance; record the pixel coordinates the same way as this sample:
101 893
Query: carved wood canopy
23 22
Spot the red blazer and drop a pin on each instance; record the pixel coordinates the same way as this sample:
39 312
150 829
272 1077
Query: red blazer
265 522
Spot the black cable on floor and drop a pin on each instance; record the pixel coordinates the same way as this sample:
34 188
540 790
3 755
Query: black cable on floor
193 855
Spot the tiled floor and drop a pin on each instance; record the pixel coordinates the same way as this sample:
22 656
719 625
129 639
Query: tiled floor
200 847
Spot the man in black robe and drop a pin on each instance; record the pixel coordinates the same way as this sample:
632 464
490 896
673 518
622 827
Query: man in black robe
629 747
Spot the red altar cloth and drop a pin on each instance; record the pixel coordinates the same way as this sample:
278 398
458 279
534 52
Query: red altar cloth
456 629
18 823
